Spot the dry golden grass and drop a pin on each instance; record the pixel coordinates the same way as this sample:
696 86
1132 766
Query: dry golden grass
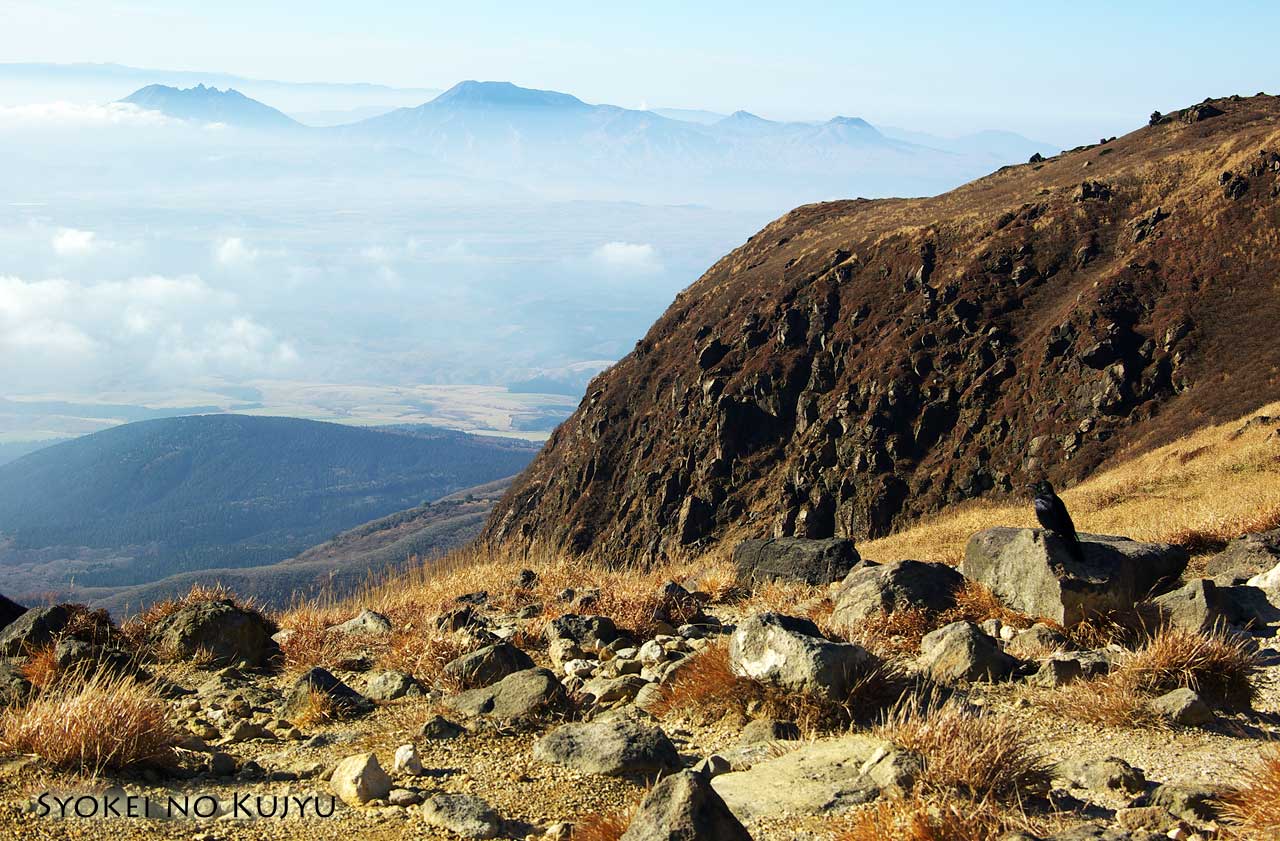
607 827
41 669
1218 666
894 634
706 690
1252 806
1199 492
91 724
319 708
930 816
976 603
136 631
974 754
1103 701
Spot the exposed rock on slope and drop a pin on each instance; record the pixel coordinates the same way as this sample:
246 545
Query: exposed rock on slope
859 363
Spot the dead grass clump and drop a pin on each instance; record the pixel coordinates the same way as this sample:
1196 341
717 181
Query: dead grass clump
931 816
976 754
707 690
894 634
1253 804
976 603
1213 664
91 725
41 669
91 626
319 708
1104 701
609 826
425 654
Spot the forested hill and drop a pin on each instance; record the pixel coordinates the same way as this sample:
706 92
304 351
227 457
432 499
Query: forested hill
190 493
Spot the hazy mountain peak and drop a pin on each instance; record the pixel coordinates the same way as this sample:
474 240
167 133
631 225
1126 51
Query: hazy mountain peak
854 123
207 104
504 95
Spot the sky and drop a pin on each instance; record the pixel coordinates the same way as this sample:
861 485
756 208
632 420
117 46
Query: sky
1057 72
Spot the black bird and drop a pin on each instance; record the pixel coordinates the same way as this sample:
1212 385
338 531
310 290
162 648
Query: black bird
1052 514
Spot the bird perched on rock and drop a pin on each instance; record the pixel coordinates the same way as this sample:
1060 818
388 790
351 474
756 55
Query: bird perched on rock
1052 514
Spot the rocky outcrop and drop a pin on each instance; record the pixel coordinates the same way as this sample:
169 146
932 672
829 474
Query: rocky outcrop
33 629
9 611
684 807
1032 570
517 697
889 587
795 559
792 653
620 747
857 364
221 630
1245 557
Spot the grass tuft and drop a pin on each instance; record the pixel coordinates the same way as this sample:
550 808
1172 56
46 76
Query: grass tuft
1253 804
99 723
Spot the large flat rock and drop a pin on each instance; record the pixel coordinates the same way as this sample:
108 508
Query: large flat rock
1032 571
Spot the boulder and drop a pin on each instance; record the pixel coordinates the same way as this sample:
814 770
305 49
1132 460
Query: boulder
391 686
14 688
1032 570
465 815
1111 774
229 633
407 761
1057 671
34 628
439 727
368 622
488 665
1183 706
342 700
962 652
1037 641
1188 801
769 730
1244 558
684 807
589 632
1197 606
618 747
1268 582
9 611
795 559
871 589
516 697
792 653
819 778
359 779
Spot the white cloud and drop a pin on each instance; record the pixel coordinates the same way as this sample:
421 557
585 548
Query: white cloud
627 256
233 251
72 242
71 115
143 328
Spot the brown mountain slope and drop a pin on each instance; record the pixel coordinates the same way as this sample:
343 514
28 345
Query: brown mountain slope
859 363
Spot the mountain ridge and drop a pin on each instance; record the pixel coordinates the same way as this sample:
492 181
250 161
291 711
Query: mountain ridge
859 364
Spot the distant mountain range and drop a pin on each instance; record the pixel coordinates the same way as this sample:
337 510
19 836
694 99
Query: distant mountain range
212 106
548 139
146 500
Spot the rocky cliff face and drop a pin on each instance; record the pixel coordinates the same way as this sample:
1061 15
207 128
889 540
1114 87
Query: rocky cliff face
859 363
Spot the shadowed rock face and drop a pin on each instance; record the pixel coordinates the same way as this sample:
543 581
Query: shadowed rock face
859 363
1032 570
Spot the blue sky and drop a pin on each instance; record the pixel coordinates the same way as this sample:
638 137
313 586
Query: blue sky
1064 72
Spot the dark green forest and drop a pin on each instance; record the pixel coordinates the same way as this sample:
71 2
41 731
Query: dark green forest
191 493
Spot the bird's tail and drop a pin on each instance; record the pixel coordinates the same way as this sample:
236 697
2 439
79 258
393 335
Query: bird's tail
1077 549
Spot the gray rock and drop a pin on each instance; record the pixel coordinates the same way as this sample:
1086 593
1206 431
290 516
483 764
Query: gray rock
1057 671
403 797
1268 582
620 747
962 652
488 665
391 686
222 764
9 611
464 815
34 628
344 702
608 690
791 652
439 727
516 697
14 688
1035 641
712 766
358 779
684 807
871 589
590 632
1198 804
368 622
1111 774
1196 606
814 562
1183 706
1031 570
1245 557
769 730
229 633
819 778
649 695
